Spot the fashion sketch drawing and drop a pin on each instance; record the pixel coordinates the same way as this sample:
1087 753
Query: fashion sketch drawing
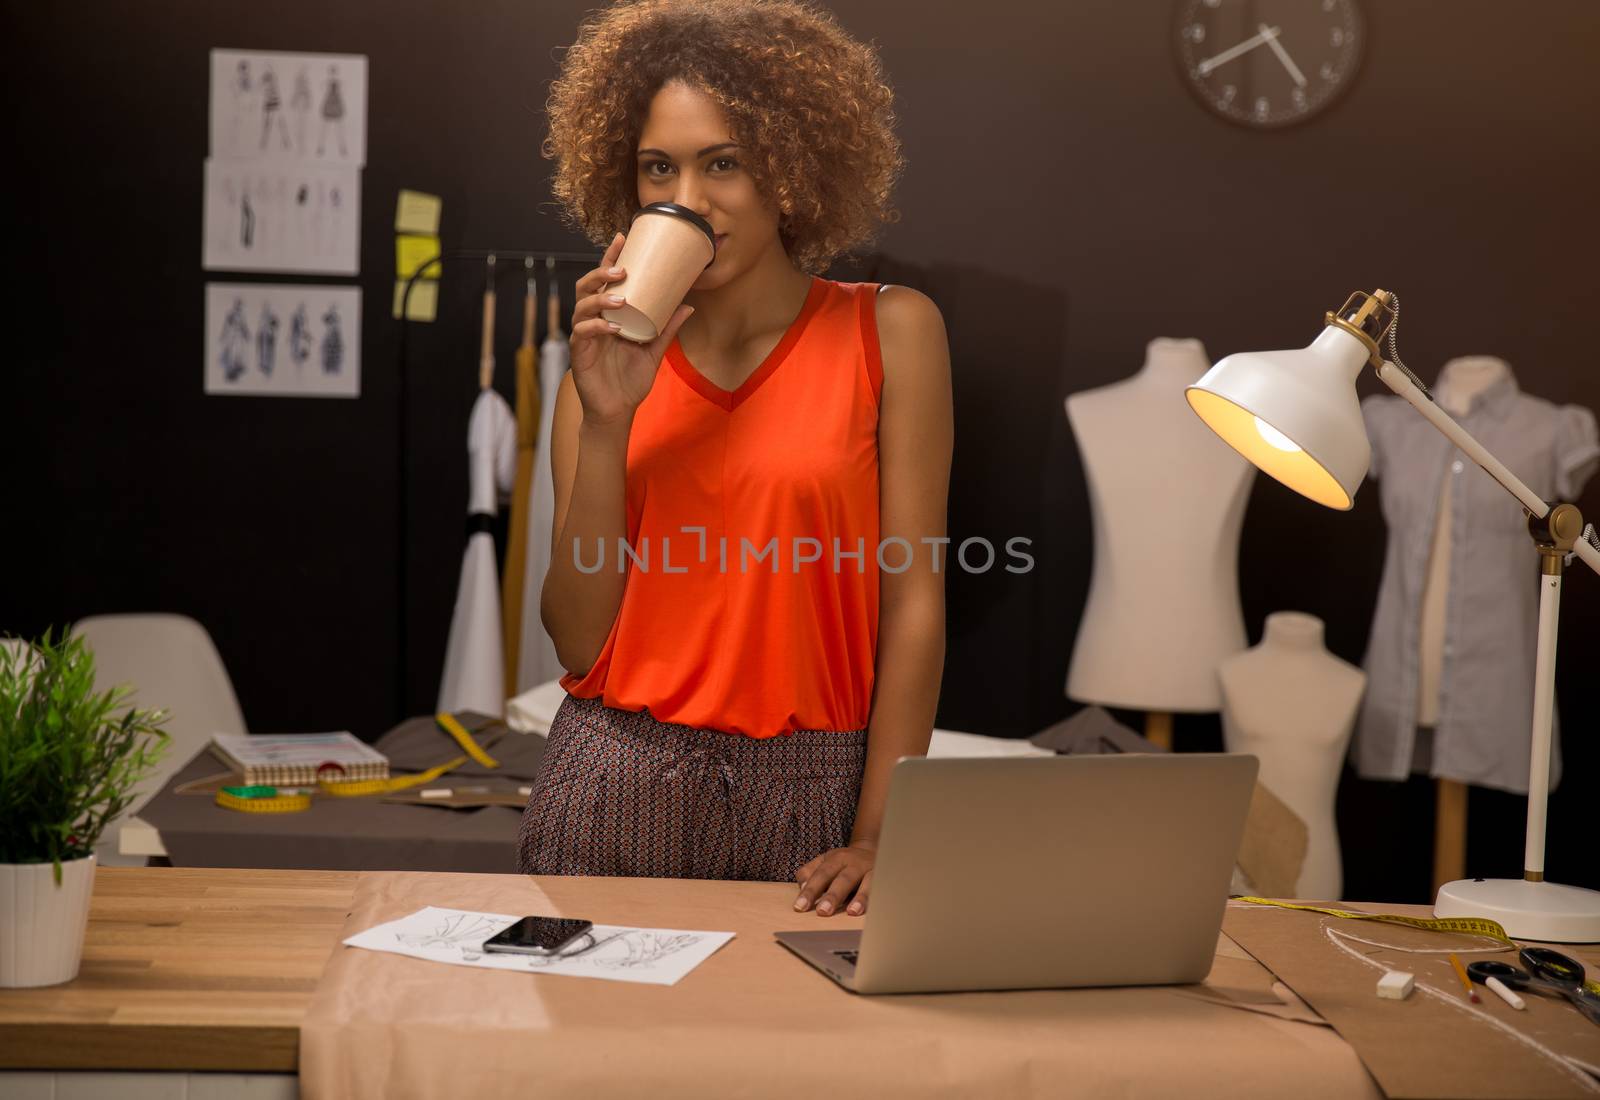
235 340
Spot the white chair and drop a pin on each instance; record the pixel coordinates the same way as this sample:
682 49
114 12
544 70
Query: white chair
171 663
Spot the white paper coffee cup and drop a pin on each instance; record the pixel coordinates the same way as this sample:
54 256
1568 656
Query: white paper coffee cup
667 247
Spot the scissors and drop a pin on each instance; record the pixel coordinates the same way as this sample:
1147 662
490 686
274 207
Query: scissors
1549 971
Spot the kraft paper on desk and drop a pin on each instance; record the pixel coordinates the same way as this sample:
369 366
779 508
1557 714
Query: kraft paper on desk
656 956
1434 1044
755 1020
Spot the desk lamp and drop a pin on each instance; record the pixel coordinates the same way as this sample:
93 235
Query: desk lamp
1295 415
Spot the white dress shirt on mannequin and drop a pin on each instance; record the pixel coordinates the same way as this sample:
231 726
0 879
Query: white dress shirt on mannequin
1167 498
1292 704
1485 679
1459 383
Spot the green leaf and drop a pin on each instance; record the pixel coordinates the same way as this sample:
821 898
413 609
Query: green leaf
70 757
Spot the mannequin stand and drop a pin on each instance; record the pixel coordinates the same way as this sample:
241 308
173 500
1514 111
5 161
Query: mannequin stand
1158 728
1449 833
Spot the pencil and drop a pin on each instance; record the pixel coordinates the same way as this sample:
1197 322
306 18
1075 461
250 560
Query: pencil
1466 982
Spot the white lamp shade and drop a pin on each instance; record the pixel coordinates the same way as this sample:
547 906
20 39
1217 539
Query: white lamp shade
1294 414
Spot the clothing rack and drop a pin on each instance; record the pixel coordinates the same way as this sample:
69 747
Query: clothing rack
519 263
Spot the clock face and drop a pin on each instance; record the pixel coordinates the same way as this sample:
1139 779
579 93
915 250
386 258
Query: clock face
1268 63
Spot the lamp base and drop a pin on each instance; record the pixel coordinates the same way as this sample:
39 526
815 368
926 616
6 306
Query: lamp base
1544 911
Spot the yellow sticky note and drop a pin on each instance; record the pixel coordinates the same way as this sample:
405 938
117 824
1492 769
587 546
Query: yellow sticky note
411 253
417 212
423 305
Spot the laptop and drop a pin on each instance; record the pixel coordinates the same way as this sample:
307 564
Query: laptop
1045 873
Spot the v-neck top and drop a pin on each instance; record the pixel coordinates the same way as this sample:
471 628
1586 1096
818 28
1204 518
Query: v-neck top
750 604
731 399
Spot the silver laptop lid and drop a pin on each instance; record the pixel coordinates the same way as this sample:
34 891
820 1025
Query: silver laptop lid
1016 873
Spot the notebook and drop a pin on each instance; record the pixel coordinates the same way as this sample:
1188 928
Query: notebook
292 759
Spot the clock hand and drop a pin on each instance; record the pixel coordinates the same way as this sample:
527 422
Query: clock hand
1267 35
1283 56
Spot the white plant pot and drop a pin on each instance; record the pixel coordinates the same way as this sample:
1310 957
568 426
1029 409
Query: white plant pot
42 924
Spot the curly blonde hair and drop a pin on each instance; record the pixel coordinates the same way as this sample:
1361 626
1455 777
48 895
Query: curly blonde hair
810 103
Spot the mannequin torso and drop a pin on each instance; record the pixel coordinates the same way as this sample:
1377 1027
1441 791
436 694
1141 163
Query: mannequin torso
1168 498
1292 704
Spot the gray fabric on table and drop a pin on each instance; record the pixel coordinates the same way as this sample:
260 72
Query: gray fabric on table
1092 731
359 834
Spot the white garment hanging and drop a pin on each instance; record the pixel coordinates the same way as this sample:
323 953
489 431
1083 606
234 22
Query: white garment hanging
536 658
474 658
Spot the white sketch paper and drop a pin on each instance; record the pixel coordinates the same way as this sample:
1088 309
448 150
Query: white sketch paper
283 340
310 107
281 215
655 956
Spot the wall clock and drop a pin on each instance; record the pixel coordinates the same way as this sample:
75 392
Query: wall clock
1268 63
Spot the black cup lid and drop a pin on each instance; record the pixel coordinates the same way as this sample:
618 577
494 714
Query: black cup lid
678 210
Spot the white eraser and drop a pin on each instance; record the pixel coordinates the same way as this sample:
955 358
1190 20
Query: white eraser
437 792
1396 985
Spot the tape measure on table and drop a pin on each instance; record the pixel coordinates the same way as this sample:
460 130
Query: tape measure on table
266 800
256 800
262 800
360 788
1467 926
448 723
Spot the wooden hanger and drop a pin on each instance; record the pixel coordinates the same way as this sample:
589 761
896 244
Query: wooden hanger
486 350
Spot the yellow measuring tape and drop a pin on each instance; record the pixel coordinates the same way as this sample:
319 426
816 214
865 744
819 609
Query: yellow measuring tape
264 803
361 788
448 723
1467 926
358 788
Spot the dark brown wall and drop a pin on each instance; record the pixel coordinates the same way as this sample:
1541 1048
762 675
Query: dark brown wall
1066 200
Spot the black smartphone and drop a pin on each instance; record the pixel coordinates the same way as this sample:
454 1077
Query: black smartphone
537 936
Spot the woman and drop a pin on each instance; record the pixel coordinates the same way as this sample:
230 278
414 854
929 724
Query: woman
735 704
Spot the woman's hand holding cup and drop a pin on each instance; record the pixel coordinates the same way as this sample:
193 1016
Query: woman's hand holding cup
613 375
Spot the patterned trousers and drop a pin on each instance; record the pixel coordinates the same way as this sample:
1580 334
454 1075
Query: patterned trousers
620 793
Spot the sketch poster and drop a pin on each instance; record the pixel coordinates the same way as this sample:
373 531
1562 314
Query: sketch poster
655 956
281 215
283 340
310 107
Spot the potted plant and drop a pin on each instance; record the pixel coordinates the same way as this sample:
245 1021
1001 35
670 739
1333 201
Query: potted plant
69 760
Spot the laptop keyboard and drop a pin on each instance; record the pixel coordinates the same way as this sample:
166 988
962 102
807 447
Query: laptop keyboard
848 956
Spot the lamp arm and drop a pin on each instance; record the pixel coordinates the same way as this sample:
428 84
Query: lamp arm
1397 380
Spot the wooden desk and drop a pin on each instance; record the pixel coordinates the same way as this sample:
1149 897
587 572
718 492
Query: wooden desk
215 970
185 970
189 969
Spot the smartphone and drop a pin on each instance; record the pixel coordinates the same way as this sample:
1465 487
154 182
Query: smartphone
537 936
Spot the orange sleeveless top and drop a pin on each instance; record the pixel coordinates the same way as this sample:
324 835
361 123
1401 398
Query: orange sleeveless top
751 599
